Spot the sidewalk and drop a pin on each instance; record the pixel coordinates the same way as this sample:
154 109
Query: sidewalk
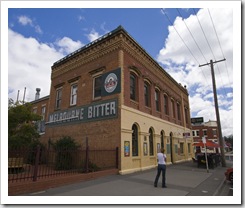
183 179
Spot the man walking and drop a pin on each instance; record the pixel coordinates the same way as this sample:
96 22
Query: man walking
161 158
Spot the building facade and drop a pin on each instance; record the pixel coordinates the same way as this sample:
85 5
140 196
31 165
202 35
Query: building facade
209 130
113 93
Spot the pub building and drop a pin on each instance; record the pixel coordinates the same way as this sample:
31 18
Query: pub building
114 93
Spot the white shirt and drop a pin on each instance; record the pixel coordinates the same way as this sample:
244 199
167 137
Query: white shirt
161 158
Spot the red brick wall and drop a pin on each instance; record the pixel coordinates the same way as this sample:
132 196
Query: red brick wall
25 187
209 132
157 81
101 134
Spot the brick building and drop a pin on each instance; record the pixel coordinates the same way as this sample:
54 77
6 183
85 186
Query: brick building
115 94
209 130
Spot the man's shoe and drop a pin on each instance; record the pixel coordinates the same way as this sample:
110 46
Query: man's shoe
155 185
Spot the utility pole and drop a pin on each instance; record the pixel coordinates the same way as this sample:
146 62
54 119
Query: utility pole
217 110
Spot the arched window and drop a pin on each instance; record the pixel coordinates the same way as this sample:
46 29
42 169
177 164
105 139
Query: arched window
157 99
162 139
133 86
147 94
135 140
151 141
166 104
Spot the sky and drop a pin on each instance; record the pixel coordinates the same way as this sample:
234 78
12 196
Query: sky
179 39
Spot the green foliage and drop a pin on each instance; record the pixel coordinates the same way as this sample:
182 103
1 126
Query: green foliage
22 130
229 140
65 148
92 167
32 153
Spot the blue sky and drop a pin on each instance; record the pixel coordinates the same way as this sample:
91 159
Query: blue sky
38 37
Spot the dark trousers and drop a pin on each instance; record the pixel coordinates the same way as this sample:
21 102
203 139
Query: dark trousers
160 168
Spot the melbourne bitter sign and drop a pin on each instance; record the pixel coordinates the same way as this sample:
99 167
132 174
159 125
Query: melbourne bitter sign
96 111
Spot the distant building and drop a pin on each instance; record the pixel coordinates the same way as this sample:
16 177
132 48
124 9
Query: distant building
201 129
115 94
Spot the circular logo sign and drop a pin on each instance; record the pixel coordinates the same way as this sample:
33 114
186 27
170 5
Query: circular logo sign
111 83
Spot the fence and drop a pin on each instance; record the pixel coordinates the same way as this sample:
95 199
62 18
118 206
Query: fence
33 164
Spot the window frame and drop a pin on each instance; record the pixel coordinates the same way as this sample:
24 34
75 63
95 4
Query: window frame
99 88
147 94
135 140
173 108
151 142
166 111
43 112
58 98
157 100
178 111
133 89
73 95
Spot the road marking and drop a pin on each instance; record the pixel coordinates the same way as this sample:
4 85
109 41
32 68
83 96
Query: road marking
204 191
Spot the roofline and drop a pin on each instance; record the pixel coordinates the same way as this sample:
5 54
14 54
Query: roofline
40 99
119 28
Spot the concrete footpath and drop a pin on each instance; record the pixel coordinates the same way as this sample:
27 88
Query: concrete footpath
183 179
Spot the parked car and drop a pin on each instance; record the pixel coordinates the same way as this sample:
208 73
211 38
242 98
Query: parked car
229 174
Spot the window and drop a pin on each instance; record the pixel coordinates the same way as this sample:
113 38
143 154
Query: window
214 132
97 86
178 111
162 139
205 132
173 108
73 100
197 132
135 140
157 98
58 98
189 148
193 133
34 110
43 112
181 147
186 116
151 142
133 83
166 104
147 94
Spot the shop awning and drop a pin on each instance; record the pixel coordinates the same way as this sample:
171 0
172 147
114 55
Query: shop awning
208 144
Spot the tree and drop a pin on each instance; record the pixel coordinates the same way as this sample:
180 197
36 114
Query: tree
229 141
22 130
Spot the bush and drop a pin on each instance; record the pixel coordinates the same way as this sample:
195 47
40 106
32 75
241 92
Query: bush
64 148
92 167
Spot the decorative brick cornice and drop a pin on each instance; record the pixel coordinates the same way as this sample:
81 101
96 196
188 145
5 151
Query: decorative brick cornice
115 40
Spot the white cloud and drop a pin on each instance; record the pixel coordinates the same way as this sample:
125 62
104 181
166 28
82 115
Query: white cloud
67 45
30 64
93 35
184 68
24 20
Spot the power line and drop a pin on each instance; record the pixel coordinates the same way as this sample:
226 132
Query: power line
192 36
216 34
179 35
219 45
208 45
194 41
204 33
